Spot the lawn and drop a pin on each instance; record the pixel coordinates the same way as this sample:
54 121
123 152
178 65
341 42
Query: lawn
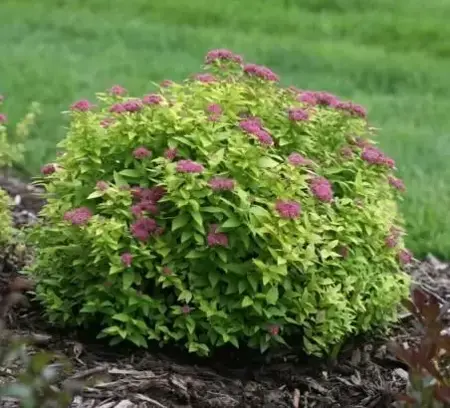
392 56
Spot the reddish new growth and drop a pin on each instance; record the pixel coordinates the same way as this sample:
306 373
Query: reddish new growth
396 183
152 99
3 118
346 152
189 166
222 55
260 72
117 90
82 106
321 188
107 122
216 238
288 209
343 251
143 228
298 115
126 259
297 159
133 105
405 257
170 154
78 216
48 169
166 83
101 185
221 183
141 153
205 78
373 155
186 309
215 111
167 271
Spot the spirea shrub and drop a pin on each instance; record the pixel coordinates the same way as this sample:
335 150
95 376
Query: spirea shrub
225 209
6 222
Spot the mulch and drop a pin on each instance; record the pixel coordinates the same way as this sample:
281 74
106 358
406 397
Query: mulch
365 375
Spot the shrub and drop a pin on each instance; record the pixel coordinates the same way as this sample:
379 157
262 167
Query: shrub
6 224
223 209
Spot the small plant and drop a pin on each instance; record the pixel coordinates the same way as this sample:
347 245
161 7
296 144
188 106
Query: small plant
37 383
225 209
428 361
12 148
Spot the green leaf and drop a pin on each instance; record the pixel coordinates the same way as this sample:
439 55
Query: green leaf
213 277
267 162
127 279
180 221
130 173
253 282
121 317
119 180
232 222
95 194
247 301
197 217
272 295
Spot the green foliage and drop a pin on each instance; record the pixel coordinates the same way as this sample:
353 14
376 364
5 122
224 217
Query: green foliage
429 376
267 223
6 224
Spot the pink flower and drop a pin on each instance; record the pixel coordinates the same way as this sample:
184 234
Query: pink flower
298 115
117 90
147 206
389 162
167 271
288 209
143 228
250 125
48 169
126 259
186 309
152 99
360 142
141 153
166 83
405 257
153 194
170 154
3 118
117 108
264 137
321 188
352 109
260 72
372 155
396 183
215 238
327 99
221 183
222 55
391 241
308 98
297 159
78 216
274 329
101 185
133 105
205 78
82 106
214 108
189 166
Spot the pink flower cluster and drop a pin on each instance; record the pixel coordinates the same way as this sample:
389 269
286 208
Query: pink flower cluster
143 228
205 78
3 118
347 152
405 257
215 238
82 106
132 105
253 126
152 99
296 159
101 185
273 329
141 153
321 188
215 111
117 90
166 83
48 169
78 216
288 208
318 98
126 259
260 72
189 166
170 153
221 184
392 239
352 108
222 54
146 200
397 183
298 115
372 155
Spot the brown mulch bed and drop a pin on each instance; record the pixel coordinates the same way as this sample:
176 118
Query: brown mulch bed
365 375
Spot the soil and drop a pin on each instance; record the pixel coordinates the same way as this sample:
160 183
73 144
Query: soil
364 375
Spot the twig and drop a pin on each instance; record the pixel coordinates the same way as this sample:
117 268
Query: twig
151 400
88 373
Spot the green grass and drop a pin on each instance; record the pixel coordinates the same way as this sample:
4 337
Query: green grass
392 56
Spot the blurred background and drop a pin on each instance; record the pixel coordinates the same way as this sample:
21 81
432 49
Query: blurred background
393 56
